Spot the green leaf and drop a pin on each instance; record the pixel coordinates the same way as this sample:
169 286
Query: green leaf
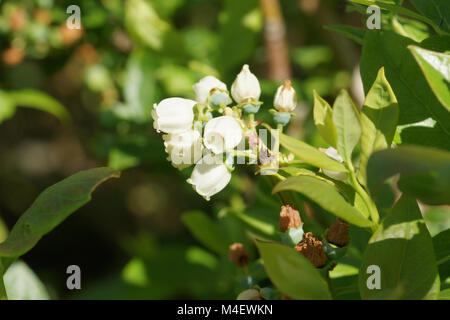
41 101
292 273
51 208
441 243
426 133
7 106
205 230
436 68
389 5
309 154
379 116
325 196
444 294
296 171
416 100
412 29
140 87
432 187
437 219
253 222
347 122
436 10
22 283
424 172
144 24
354 33
402 249
323 118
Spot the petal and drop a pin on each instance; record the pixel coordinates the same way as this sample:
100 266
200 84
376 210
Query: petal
174 115
210 175
222 134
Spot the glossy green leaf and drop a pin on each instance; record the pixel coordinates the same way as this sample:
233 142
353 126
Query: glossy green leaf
424 172
436 10
396 8
444 294
296 171
432 187
347 121
379 116
402 248
309 154
323 118
412 29
22 283
51 208
437 219
253 222
292 273
426 133
436 68
41 101
416 100
205 230
441 244
325 196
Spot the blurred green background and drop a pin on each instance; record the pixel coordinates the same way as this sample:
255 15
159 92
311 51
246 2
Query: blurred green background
132 240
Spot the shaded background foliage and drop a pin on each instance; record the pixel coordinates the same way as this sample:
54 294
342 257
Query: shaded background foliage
132 240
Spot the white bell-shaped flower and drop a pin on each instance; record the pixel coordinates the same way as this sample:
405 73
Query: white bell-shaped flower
286 98
333 154
210 175
222 134
173 115
184 149
246 86
204 88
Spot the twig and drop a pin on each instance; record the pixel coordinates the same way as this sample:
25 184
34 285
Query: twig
275 40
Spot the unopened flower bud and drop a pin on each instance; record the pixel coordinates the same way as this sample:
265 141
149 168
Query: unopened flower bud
173 115
286 98
311 248
249 294
338 232
206 87
289 218
333 154
246 87
239 255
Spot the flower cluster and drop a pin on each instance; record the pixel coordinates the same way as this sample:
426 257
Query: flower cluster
206 131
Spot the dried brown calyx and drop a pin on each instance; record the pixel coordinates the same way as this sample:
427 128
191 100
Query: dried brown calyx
311 248
289 218
338 233
239 255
